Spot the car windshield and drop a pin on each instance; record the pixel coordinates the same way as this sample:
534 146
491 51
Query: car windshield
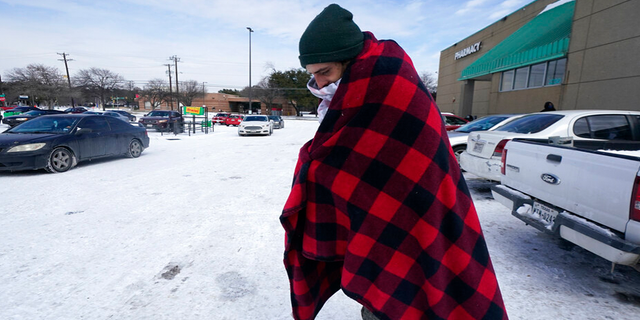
47 124
482 124
159 114
274 118
531 124
255 118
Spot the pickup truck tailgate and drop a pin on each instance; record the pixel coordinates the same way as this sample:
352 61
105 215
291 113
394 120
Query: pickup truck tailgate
567 180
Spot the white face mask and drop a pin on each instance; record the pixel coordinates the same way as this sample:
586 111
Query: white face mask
326 94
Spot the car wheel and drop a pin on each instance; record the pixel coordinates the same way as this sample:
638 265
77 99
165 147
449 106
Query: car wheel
60 160
135 149
458 150
227 125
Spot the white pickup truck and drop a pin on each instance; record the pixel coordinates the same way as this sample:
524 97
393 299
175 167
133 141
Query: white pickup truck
588 197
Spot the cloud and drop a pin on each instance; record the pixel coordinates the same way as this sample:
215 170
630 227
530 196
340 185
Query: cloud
471 7
506 7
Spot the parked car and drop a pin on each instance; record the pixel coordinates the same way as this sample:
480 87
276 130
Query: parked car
19 110
163 120
116 115
126 114
8 107
233 120
278 122
458 137
13 121
58 142
452 122
484 148
255 124
75 110
220 117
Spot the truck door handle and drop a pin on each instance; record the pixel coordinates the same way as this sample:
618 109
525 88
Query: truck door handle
554 158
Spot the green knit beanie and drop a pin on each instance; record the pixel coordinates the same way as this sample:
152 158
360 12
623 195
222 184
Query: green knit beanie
331 37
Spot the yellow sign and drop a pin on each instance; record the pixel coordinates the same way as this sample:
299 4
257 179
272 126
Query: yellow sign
194 110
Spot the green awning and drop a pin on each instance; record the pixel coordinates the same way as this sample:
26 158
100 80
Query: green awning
544 38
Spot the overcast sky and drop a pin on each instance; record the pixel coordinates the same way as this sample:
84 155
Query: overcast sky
135 38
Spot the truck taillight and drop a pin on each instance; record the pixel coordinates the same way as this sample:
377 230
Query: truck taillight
504 162
497 152
634 211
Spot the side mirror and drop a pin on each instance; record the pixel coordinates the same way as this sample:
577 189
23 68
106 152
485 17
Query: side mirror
83 131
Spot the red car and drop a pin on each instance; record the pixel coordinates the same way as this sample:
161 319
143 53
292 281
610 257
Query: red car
220 117
452 122
233 120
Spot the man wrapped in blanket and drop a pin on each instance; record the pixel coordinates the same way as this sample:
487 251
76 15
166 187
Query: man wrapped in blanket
379 207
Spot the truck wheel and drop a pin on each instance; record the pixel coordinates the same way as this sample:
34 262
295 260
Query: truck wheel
60 160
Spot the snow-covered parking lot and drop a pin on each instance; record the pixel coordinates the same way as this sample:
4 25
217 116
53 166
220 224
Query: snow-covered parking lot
190 230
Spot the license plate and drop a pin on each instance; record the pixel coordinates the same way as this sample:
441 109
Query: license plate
545 213
477 148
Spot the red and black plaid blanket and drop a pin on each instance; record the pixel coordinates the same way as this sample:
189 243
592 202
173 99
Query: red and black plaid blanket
379 207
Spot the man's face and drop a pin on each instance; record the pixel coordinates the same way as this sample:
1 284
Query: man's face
326 73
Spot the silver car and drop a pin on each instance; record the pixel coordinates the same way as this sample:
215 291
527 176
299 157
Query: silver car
458 137
278 122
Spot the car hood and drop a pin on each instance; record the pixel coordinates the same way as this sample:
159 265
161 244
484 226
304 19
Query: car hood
255 123
20 116
10 139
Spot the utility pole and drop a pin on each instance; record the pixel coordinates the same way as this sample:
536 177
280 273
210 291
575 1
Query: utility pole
175 61
170 92
250 31
64 58
203 94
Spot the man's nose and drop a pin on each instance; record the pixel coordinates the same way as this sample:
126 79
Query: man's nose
321 82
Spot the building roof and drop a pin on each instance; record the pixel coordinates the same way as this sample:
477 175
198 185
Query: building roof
544 38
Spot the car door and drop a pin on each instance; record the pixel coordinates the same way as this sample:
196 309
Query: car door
93 144
118 137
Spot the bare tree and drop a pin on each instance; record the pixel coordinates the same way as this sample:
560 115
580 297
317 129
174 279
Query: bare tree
43 84
99 82
430 81
267 91
188 90
156 91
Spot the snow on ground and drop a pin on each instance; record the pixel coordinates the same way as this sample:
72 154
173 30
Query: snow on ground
190 230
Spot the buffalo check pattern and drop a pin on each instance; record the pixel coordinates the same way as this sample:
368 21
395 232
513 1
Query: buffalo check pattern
379 207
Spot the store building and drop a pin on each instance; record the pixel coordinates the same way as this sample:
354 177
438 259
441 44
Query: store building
221 102
578 54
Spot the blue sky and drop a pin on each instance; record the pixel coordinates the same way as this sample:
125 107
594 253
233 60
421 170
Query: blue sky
135 38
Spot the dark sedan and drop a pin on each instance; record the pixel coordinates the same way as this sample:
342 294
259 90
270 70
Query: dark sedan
13 121
57 143
75 110
126 114
18 110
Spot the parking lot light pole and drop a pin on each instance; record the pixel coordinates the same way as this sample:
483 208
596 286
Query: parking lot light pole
250 31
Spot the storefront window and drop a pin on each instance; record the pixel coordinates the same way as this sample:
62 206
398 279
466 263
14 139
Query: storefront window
536 76
533 76
555 72
521 78
507 81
